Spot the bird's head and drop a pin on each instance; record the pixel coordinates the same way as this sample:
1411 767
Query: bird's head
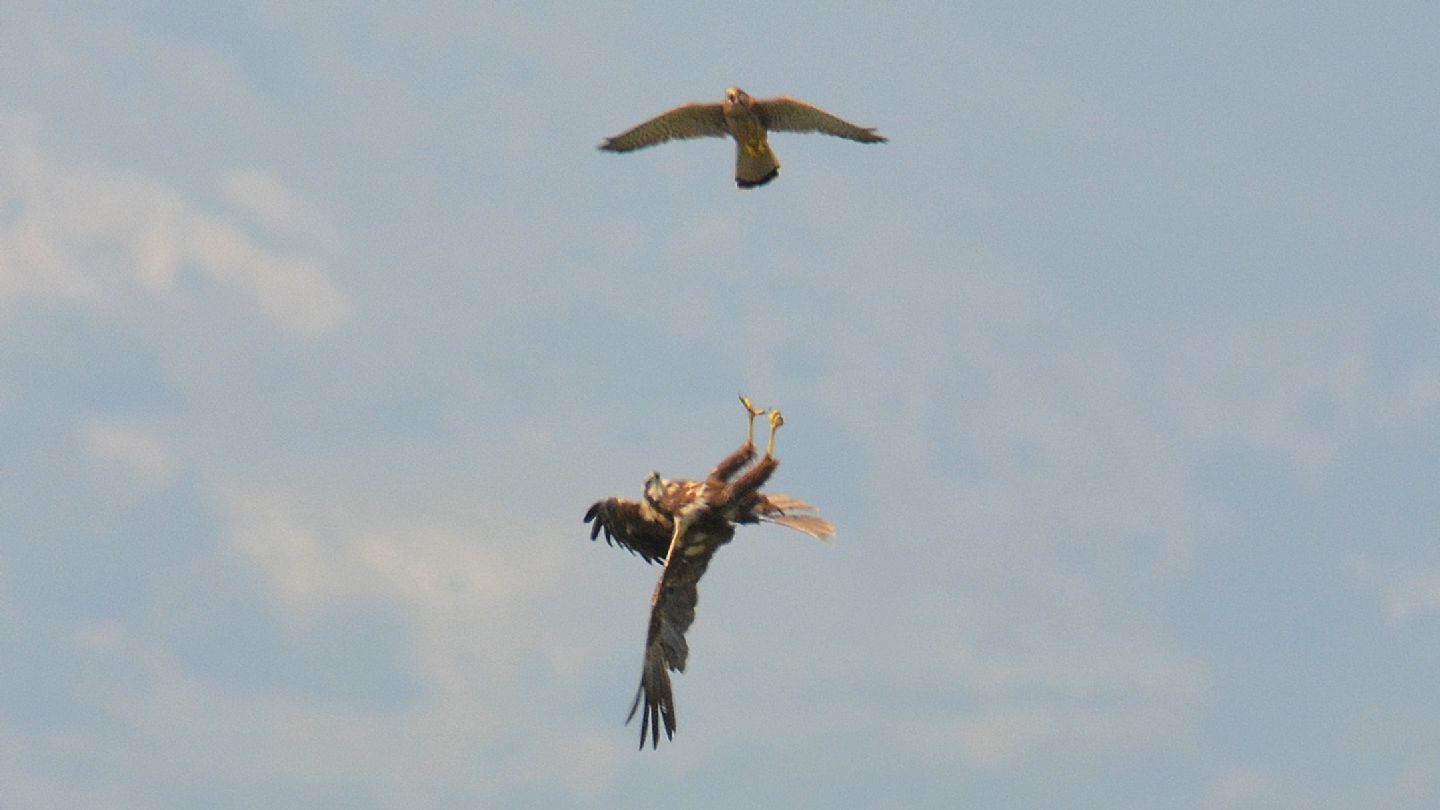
654 488
735 95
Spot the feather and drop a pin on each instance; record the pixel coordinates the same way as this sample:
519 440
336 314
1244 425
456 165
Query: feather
813 525
634 525
785 114
685 121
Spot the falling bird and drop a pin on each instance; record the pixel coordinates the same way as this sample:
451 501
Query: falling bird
749 121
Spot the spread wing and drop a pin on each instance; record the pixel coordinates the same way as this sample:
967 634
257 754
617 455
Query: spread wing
686 121
634 525
787 114
671 614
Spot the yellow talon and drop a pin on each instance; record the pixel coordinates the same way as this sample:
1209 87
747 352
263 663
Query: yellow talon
776 420
752 412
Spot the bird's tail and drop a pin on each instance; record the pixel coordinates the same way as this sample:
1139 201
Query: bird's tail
755 165
787 511
813 525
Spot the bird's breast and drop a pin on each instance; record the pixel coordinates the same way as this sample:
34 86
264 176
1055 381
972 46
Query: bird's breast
745 126
754 147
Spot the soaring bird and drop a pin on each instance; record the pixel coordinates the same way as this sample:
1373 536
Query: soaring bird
748 121
701 517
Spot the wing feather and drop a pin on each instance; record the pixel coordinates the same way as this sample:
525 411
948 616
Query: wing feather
633 525
671 614
775 502
785 114
685 121
813 525
787 511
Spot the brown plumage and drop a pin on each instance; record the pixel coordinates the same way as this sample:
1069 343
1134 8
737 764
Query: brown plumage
701 517
634 525
748 121
644 527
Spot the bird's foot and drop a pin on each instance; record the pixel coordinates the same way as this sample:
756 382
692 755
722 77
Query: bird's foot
776 420
751 412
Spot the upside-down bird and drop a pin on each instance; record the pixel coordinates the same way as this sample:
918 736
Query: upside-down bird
645 527
683 523
748 121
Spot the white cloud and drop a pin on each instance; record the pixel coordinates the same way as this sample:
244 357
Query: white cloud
121 245
96 231
490 604
293 291
277 209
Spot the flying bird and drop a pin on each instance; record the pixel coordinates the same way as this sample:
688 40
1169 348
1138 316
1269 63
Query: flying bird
645 527
748 121
683 523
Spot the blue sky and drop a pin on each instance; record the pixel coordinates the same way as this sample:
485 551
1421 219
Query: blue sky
1118 370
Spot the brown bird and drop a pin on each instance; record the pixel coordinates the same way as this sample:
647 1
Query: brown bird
683 523
748 121
645 527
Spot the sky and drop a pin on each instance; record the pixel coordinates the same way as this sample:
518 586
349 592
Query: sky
1117 369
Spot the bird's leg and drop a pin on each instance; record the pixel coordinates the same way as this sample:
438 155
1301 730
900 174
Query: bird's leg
682 523
776 420
755 477
732 463
751 412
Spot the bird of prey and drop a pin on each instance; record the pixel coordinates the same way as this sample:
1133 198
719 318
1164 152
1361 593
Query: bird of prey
748 121
683 523
645 527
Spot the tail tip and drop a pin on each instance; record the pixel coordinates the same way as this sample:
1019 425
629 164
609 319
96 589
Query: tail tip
747 184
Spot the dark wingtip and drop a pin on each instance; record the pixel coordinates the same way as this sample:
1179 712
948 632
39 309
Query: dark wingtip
593 513
650 719
747 184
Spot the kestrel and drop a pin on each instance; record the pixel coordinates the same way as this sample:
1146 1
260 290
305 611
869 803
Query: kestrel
748 121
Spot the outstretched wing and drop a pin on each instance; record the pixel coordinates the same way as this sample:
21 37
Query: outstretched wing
686 121
634 525
787 114
671 614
